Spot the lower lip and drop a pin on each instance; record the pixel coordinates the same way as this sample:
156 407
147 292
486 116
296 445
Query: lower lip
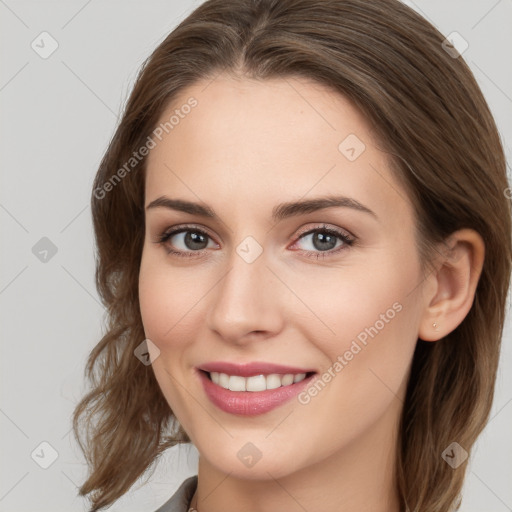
250 403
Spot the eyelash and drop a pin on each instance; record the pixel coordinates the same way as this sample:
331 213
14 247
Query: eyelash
347 241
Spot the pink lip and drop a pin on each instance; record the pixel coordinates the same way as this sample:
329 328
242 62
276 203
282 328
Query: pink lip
250 403
251 369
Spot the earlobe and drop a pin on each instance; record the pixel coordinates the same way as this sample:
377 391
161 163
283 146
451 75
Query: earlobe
453 285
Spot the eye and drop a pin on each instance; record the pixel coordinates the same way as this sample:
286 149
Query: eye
190 241
324 241
185 241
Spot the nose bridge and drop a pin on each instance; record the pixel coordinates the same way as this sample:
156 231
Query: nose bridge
245 300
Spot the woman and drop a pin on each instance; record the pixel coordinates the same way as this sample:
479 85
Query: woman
304 246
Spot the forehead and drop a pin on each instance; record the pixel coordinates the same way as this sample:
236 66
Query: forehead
252 142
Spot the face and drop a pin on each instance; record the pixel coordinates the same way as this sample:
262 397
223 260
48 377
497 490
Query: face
332 290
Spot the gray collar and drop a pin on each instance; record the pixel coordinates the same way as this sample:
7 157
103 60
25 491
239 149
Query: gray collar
180 500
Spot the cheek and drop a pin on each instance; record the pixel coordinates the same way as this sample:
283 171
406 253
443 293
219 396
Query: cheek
153 302
369 353
351 303
372 318
164 300
172 301
166 308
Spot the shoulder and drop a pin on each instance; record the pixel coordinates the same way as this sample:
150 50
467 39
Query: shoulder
180 500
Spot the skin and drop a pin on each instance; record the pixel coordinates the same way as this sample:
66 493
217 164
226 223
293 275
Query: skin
248 146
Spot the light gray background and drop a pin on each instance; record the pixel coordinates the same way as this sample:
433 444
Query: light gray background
58 115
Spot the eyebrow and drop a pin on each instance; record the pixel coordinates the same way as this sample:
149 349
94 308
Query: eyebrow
280 212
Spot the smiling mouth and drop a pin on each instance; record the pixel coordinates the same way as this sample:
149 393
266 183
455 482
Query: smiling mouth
255 383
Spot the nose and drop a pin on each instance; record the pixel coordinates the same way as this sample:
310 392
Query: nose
245 304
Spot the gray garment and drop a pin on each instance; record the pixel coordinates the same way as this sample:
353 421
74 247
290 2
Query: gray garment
180 500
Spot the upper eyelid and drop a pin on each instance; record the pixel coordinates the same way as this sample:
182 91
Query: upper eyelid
326 227
187 227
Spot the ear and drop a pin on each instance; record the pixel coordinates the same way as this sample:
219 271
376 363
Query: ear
450 290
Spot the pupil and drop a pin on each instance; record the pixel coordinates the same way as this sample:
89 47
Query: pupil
323 241
192 239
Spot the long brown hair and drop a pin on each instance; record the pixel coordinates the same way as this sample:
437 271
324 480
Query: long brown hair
431 118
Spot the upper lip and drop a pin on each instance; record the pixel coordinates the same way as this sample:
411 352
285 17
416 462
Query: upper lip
250 369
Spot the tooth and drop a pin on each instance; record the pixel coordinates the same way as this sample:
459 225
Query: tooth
287 379
273 381
256 383
236 383
224 380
